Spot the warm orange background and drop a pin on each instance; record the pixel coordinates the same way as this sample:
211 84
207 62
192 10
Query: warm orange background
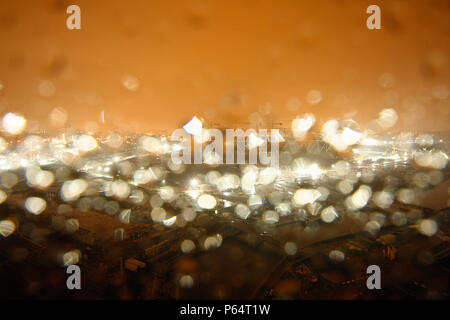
224 59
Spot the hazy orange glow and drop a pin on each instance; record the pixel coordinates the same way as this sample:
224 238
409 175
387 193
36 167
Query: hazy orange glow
223 60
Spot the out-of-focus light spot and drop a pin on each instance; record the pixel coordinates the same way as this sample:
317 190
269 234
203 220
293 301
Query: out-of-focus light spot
336 256
283 208
167 193
242 211
186 281
35 205
387 118
248 181
275 197
328 214
440 92
125 216
314 96
72 189
120 189
8 179
345 187
436 160
194 182
137 196
228 182
369 141
324 193
330 127
267 175
421 179
152 144
37 177
428 227
304 196
130 82
383 199
290 248
111 207
350 137
212 157
187 246
399 219
176 167
58 117
85 143
143 176
407 196
158 214
372 227
170 221
271 217
189 214
84 204
206 201
72 225
44 178
314 208
367 175
13 123
301 215
194 126
250 168
114 140
213 242
386 80
359 198
304 168
341 168
212 177
71 258
194 193
3 196
425 140
33 143
46 88
378 217
156 201
301 126
3 145
339 139
7 227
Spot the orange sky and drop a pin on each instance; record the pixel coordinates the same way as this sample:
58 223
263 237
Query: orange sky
223 60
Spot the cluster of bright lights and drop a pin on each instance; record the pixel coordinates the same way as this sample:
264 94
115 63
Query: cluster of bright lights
135 178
